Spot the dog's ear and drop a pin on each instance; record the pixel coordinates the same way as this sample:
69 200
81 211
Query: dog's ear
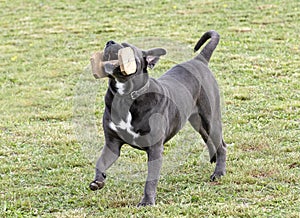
153 55
125 44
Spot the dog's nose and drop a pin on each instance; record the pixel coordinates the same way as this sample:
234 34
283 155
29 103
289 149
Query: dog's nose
109 43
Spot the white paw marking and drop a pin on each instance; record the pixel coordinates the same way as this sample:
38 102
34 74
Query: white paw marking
125 126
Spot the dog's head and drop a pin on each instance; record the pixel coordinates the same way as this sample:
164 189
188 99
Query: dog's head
123 61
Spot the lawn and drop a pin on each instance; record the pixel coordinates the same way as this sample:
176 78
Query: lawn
51 109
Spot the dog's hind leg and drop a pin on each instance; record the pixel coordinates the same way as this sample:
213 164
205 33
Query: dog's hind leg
220 161
212 136
199 125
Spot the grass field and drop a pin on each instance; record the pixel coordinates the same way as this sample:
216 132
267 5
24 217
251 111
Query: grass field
46 161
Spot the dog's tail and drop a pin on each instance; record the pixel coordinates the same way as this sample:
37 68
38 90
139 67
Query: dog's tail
210 47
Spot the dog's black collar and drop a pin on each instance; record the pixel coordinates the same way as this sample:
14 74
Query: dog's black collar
137 93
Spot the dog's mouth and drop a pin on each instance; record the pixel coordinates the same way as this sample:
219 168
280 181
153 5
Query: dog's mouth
114 71
117 73
115 61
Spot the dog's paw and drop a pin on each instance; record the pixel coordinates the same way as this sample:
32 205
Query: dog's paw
147 202
96 185
216 175
144 204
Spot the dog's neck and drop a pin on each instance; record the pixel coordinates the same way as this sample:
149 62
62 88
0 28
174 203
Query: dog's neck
135 86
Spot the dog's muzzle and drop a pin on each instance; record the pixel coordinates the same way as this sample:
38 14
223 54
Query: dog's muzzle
126 62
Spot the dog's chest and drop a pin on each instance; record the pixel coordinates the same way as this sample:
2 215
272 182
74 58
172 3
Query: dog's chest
140 122
121 119
124 126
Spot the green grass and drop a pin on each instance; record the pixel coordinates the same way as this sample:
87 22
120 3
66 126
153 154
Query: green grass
45 168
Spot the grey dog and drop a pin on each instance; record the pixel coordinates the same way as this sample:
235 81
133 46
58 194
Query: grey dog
145 112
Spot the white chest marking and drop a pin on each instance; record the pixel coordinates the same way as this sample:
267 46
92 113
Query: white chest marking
120 87
113 126
125 126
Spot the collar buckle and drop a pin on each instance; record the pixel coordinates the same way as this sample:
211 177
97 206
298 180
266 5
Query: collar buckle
137 93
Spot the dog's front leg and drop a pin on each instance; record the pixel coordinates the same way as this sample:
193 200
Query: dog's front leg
109 155
154 165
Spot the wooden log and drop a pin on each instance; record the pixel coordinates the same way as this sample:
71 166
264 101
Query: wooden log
127 60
